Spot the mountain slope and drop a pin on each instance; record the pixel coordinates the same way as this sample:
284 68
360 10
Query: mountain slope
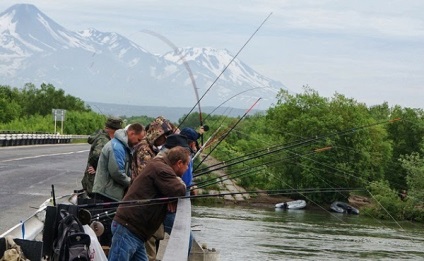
107 67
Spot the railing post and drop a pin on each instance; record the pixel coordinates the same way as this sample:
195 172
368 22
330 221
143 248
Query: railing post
177 248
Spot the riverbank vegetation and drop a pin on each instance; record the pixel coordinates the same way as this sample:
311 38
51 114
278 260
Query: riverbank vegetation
307 141
304 141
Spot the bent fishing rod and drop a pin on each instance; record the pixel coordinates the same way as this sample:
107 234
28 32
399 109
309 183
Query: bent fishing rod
186 65
227 133
225 68
297 143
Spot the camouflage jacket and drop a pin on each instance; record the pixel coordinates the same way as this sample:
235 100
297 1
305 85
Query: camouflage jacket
142 153
97 141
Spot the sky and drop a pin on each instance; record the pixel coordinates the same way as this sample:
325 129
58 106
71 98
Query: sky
371 51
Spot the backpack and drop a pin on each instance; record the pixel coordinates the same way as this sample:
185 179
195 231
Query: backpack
71 242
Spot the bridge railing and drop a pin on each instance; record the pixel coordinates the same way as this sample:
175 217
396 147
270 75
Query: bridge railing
178 243
13 138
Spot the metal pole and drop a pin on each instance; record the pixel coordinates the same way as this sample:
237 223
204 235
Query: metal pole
63 118
54 111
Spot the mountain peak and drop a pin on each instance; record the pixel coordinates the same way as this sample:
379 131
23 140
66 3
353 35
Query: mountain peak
30 31
23 8
21 15
34 48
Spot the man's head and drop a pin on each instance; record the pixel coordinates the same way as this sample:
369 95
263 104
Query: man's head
135 133
112 124
192 137
179 158
175 140
158 130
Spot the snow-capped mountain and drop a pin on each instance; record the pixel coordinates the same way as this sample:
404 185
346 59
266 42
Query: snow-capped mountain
107 67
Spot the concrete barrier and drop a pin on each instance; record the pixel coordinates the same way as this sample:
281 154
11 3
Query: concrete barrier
13 138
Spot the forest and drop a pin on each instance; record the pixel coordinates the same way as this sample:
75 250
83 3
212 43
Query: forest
303 142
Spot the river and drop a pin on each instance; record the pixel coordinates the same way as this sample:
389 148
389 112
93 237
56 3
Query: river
247 233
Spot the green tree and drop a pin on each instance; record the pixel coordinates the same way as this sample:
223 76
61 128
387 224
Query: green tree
42 101
414 166
9 107
359 150
406 136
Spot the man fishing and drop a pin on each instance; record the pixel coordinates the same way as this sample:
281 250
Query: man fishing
133 225
157 132
113 173
98 141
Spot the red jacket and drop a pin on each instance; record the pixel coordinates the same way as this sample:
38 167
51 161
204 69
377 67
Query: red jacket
157 180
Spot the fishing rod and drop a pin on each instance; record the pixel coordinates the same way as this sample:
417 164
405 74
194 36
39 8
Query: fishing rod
207 116
205 144
135 203
199 185
366 190
244 158
299 143
166 200
225 68
251 169
211 139
185 63
227 133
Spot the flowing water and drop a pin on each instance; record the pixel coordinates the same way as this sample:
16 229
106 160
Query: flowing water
247 233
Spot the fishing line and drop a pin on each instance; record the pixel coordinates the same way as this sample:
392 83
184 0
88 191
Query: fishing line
268 163
241 118
301 142
326 210
352 175
186 65
207 116
232 162
225 68
166 200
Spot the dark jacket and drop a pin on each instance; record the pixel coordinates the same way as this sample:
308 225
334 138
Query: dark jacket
157 180
97 141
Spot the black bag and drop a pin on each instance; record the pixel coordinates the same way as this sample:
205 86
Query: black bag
71 242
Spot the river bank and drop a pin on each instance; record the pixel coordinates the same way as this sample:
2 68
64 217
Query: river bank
229 188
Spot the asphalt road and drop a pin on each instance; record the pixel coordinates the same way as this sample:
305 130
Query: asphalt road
27 174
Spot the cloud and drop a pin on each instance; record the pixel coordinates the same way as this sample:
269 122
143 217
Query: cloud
355 47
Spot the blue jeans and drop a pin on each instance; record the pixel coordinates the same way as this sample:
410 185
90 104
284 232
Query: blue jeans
126 245
168 223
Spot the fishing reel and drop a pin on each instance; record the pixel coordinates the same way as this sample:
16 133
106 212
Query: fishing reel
85 218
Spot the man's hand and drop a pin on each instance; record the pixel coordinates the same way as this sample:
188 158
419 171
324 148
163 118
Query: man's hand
201 130
91 170
172 207
193 191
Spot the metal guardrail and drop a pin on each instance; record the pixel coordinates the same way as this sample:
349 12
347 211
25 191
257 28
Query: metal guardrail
10 138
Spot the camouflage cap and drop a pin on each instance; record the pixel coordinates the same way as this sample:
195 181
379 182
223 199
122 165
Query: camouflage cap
114 123
158 127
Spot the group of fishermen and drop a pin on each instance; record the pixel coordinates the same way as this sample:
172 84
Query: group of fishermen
136 163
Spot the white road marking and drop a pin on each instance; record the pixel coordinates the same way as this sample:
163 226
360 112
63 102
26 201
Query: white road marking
44 155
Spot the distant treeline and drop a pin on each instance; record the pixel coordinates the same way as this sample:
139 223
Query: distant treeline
30 109
305 141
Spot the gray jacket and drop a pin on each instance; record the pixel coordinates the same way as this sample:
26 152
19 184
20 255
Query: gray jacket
113 170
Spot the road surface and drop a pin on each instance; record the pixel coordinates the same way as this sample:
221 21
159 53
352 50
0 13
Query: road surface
28 172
